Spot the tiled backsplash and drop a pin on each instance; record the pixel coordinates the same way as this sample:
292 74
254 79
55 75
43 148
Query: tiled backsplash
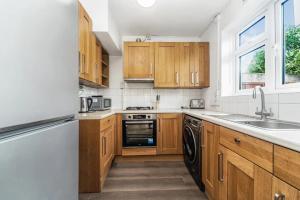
284 106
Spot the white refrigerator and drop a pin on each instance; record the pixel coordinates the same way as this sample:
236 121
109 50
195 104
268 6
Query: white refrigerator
38 100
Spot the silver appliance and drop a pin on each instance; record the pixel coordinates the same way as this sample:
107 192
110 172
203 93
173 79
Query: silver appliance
39 98
192 152
99 103
197 104
85 104
139 130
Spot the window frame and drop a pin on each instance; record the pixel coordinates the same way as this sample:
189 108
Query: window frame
280 86
248 47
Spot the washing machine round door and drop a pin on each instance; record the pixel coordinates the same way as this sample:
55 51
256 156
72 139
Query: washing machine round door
190 146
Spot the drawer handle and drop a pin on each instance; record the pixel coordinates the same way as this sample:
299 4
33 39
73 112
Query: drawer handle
237 140
279 196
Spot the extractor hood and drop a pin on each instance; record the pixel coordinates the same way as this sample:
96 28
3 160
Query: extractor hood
139 80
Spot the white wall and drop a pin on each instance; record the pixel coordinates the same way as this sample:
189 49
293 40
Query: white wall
285 106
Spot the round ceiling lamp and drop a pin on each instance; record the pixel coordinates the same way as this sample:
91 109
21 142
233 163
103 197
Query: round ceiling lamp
146 3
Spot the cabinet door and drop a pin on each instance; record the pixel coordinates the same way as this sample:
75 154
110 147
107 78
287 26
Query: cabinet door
209 158
85 26
138 60
202 69
240 179
169 134
166 65
282 190
185 53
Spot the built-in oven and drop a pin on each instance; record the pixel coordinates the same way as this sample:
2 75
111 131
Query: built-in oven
139 130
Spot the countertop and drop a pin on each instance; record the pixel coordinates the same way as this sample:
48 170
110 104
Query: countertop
286 138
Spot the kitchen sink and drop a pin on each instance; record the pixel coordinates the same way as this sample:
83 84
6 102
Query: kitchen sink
258 123
272 125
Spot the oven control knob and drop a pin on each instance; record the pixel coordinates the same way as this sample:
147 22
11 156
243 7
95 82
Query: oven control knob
129 117
148 116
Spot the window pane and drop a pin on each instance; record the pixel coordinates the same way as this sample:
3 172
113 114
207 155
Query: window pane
253 32
291 44
252 69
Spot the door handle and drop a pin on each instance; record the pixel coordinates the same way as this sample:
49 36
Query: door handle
220 167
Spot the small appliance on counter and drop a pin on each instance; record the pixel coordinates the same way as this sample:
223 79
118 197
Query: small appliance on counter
197 104
99 103
85 104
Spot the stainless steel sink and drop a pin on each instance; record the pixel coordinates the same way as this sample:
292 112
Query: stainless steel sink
272 125
258 123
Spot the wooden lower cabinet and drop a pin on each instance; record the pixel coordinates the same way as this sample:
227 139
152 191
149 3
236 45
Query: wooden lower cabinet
169 134
96 152
240 179
284 191
210 142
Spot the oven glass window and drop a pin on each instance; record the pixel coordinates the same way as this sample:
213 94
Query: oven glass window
139 134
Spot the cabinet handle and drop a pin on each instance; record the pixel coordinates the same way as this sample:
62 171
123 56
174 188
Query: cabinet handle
279 196
83 63
103 147
197 78
177 78
220 167
193 78
158 125
237 140
151 70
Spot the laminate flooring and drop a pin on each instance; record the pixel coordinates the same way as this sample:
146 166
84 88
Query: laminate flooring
148 179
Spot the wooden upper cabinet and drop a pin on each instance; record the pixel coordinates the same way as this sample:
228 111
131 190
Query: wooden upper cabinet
138 60
199 65
95 61
169 134
166 65
184 74
85 28
241 179
210 142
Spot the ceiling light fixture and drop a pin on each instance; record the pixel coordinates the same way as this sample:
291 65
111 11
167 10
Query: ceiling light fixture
146 3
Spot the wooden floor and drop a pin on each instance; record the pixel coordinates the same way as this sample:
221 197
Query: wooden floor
140 178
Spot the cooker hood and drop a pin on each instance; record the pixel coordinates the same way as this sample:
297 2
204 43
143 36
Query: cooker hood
139 80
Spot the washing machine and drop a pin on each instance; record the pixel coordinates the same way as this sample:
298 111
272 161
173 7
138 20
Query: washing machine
192 148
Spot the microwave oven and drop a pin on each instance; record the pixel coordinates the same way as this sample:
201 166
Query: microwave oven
99 103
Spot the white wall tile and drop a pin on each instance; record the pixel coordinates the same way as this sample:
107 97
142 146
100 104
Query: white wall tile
289 98
289 112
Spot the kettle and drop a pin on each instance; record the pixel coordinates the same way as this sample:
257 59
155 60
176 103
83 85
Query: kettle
85 104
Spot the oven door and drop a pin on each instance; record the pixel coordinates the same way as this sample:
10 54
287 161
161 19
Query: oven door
139 133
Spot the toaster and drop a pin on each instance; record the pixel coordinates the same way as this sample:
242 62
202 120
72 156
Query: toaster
197 104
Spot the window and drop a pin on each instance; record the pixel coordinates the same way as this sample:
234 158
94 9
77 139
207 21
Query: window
253 32
291 42
252 69
250 55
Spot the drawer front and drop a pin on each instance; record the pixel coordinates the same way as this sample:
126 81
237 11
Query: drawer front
107 122
287 165
257 151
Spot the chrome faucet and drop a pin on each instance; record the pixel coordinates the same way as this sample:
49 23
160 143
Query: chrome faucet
263 113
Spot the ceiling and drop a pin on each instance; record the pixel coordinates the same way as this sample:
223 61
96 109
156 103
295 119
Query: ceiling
185 18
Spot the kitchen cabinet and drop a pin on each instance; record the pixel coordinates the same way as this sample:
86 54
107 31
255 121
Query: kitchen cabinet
169 134
85 28
166 65
93 58
138 60
199 65
185 57
287 165
210 142
240 178
96 152
284 191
